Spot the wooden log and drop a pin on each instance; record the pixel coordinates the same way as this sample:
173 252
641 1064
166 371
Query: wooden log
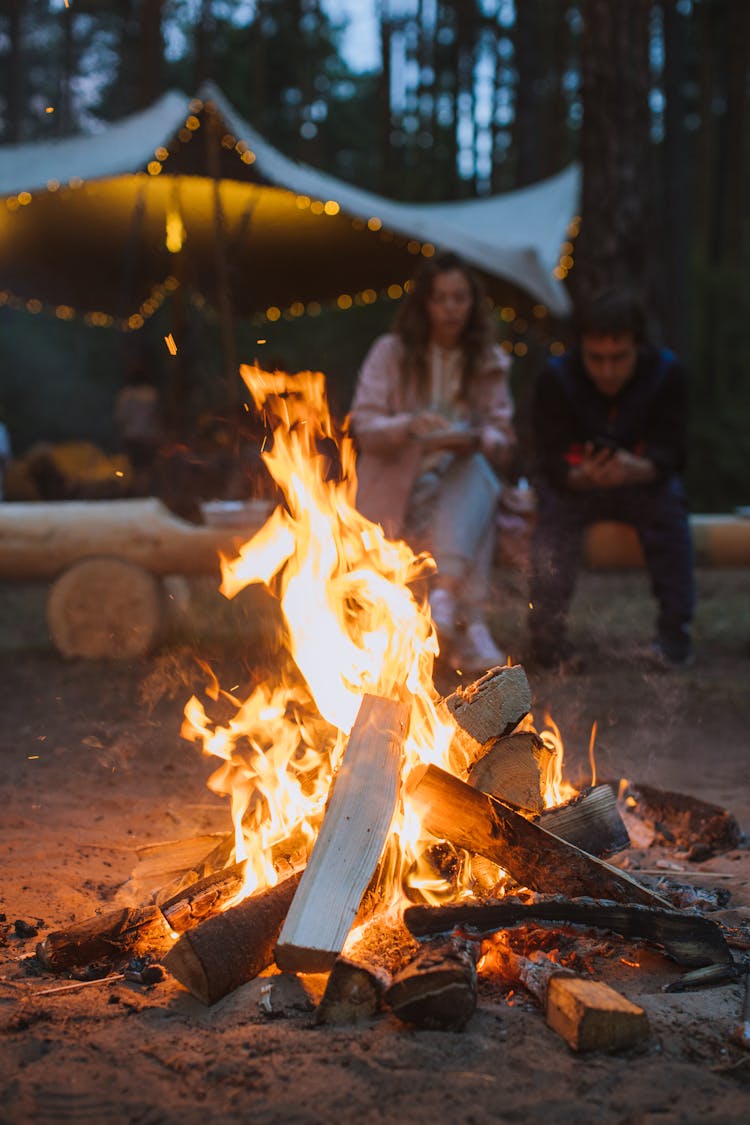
678 818
588 1014
485 710
590 820
591 1016
350 842
514 770
203 899
453 811
230 949
111 937
689 939
105 608
353 992
438 989
40 540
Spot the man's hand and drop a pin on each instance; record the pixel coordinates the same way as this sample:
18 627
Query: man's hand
610 468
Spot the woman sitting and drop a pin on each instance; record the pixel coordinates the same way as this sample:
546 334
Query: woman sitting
432 418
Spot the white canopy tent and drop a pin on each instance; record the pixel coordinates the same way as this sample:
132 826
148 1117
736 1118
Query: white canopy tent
85 222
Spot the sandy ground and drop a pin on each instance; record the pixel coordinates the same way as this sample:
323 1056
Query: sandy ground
93 767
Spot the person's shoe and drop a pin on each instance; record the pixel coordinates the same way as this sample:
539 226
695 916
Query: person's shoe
477 651
443 612
672 649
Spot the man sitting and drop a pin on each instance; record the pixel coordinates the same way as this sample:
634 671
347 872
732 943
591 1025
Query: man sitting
609 424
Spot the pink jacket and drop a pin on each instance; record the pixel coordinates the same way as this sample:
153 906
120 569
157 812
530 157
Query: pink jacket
389 459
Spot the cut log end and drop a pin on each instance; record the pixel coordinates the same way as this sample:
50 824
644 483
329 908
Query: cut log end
591 1016
105 608
353 993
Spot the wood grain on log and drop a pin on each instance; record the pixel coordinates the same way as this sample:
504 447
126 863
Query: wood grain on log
230 949
591 821
353 992
453 811
113 936
591 1016
487 709
514 770
350 842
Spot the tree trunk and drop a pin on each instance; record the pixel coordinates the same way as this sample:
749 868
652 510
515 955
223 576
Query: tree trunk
614 244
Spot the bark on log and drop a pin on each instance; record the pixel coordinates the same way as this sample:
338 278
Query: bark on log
438 989
487 709
688 939
203 899
114 936
514 770
40 540
105 608
230 949
678 818
453 811
591 821
353 993
350 842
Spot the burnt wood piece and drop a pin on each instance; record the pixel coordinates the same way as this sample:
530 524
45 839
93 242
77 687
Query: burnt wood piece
438 989
111 937
591 821
683 820
207 864
350 842
588 1014
230 949
688 939
514 770
485 710
453 811
353 992
202 899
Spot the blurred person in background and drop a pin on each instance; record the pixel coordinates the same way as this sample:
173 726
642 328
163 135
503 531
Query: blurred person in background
432 418
609 421
5 449
139 426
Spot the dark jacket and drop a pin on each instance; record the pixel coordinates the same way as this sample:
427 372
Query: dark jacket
648 416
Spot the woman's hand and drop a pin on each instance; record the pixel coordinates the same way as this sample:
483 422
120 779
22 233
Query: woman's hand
427 422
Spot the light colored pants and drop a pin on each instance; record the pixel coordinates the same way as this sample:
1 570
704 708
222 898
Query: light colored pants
451 514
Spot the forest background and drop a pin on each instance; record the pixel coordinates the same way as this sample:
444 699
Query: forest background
470 97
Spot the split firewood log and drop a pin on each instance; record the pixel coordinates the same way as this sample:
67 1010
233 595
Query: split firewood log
350 842
451 810
591 821
514 770
204 898
438 989
484 711
588 1014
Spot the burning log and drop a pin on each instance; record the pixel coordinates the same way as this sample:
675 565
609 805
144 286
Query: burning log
513 770
677 818
350 842
230 949
591 821
453 811
353 993
202 899
438 989
114 936
689 939
487 709
588 1014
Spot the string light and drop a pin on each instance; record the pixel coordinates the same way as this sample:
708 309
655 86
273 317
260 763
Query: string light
176 234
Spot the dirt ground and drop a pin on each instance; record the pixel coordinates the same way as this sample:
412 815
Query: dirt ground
93 767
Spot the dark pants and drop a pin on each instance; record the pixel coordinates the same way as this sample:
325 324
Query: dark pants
659 514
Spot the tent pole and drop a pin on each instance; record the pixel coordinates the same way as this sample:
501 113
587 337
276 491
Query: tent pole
223 295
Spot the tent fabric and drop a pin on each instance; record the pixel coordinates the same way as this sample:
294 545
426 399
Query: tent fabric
113 225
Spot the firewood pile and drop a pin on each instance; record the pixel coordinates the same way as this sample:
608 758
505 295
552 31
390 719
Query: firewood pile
561 911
